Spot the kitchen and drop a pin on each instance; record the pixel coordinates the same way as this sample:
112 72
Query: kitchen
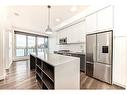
71 41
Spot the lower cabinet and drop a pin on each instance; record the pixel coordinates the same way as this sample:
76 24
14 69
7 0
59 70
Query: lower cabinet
63 76
44 74
82 60
32 62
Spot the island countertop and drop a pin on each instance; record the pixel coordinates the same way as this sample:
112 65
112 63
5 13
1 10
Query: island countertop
55 59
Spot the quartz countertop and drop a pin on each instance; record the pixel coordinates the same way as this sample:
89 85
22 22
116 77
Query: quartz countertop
55 59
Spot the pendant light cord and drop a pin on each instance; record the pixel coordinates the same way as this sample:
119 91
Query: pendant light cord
49 15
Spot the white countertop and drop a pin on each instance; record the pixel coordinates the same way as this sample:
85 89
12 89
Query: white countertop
55 59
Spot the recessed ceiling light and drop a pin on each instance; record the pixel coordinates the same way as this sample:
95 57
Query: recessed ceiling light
57 19
73 9
16 14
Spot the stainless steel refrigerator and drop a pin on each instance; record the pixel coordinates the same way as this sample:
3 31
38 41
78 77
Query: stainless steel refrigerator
99 56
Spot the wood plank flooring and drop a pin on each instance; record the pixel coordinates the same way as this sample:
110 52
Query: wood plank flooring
19 76
91 83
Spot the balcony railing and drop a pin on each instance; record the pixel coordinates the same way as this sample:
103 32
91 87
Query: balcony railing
27 51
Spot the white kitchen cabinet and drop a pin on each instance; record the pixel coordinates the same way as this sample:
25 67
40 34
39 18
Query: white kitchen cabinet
62 33
120 18
91 22
57 37
82 31
120 61
75 33
105 19
69 35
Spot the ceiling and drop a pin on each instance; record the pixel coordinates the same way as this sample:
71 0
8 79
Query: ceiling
35 17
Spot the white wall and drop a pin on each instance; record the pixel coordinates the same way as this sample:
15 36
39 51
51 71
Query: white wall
8 47
1 53
5 28
2 30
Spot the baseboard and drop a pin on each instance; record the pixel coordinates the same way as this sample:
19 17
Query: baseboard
21 58
2 77
8 66
115 83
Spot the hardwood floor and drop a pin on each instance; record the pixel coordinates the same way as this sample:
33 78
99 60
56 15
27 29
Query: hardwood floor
91 83
19 76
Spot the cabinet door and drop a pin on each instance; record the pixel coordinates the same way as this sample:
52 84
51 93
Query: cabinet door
60 34
71 34
63 33
91 23
57 37
76 33
120 61
81 31
105 19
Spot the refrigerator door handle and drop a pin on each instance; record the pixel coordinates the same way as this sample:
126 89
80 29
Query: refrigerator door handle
98 45
94 53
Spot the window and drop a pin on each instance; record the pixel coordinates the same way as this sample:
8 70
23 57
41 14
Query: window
28 43
40 45
20 45
31 45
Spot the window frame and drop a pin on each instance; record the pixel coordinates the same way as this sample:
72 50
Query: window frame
36 42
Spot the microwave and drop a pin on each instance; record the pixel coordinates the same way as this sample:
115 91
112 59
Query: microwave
63 40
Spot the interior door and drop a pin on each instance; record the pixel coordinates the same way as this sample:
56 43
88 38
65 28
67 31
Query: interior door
104 47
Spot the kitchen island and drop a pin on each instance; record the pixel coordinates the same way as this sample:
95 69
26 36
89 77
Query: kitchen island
54 71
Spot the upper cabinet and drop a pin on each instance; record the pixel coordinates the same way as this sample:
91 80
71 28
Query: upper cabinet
105 19
60 34
97 22
57 37
75 33
100 21
91 22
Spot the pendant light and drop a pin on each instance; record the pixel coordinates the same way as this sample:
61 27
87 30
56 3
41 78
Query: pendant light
48 29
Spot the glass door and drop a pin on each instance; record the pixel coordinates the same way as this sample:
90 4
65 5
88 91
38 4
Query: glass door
40 45
20 45
25 44
31 45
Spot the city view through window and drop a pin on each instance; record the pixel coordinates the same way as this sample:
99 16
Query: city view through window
26 44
